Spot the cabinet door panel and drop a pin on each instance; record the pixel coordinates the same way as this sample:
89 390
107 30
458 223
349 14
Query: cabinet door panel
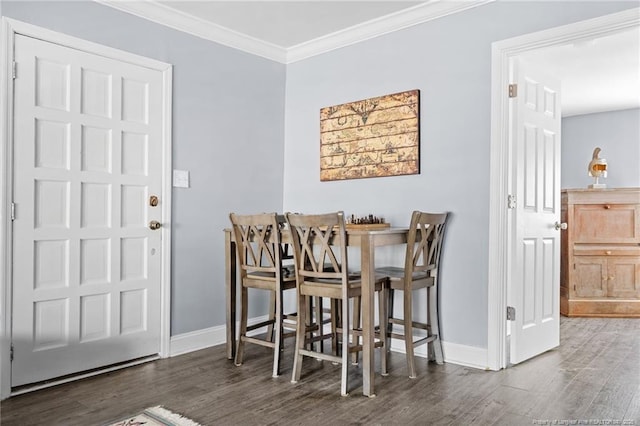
624 277
607 223
590 276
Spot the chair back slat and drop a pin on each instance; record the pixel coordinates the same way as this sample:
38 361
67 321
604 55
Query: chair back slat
319 243
424 244
259 242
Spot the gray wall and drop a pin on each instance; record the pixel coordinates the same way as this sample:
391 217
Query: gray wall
229 112
617 133
228 117
449 60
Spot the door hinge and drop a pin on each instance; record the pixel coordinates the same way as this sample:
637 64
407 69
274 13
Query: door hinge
13 211
511 313
14 70
513 90
511 201
11 354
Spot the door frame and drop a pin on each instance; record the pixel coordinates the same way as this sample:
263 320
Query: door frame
501 232
10 28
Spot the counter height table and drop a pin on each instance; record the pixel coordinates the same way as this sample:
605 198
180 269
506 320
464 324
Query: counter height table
367 240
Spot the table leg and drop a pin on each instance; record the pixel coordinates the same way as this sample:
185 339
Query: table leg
230 290
368 289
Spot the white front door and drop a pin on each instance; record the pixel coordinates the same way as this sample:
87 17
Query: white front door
87 158
535 269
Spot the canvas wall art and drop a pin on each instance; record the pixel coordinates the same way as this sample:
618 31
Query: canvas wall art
371 138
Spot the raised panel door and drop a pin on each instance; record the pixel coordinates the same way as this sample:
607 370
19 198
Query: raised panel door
607 223
87 155
623 278
590 278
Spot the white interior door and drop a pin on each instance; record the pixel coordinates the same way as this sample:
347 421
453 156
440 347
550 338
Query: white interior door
86 265
535 269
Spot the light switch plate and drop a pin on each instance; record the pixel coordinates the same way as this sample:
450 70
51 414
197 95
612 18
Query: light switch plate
181 179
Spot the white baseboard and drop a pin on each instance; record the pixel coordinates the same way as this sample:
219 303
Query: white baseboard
454 353
207 337
196 340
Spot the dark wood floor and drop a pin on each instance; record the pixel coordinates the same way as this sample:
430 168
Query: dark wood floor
593 375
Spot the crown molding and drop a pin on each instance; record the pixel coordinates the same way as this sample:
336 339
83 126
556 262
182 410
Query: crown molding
165 15
376 27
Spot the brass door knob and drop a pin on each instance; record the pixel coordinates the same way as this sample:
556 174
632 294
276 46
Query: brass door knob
154 224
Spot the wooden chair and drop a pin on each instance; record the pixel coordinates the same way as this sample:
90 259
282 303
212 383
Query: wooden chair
320 253
422 259
260 252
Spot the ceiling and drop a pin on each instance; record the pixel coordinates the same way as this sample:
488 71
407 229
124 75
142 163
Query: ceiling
601 74
289 23
597 75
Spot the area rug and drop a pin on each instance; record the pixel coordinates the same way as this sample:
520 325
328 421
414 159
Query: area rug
156 416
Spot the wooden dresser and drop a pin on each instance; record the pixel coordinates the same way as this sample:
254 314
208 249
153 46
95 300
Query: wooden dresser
600 260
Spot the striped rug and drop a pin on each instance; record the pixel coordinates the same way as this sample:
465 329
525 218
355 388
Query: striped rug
155 416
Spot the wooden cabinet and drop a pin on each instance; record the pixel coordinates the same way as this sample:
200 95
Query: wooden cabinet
600 260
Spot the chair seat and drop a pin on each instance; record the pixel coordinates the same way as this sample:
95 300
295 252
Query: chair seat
397 272
355 280
267 280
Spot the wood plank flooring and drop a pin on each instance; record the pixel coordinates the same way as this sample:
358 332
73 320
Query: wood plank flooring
594 376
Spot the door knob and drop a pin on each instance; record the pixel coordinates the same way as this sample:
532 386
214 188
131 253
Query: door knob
560 226
154 224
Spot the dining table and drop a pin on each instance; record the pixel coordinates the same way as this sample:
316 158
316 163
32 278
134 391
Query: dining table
367 240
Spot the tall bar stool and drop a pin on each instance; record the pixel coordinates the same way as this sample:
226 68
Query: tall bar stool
320 253
258 242
422 260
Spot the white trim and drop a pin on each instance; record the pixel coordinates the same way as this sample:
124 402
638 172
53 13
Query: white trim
6 126
52 383
10 27
170 17
501 166
207 337
167 188
454 353
376 27
199 339
469 356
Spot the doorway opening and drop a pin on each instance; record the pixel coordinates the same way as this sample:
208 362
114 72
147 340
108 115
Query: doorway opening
502 166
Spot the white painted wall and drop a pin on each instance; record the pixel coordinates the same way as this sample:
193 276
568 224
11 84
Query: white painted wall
617 133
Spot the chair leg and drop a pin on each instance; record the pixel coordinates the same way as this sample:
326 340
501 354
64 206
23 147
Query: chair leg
319 315
243 325
389 324
383 321
335 323
300 338
408 333
357 307
277 324
434 323
308 311
345 347
272 315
